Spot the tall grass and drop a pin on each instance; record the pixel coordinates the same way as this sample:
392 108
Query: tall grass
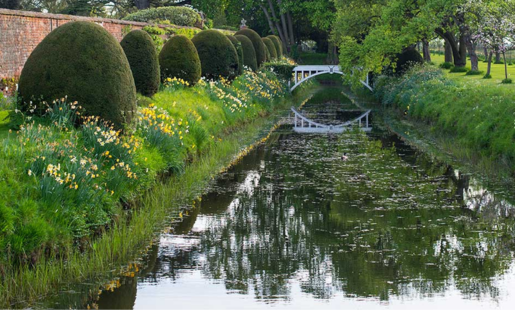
479 116
197 123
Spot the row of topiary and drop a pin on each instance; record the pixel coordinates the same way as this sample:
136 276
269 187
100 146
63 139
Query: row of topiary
82 61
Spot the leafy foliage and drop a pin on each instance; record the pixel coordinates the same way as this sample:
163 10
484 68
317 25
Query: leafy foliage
271 48
142 56
249 54
239 50
259 46
180 16
217 54
179 59
82 61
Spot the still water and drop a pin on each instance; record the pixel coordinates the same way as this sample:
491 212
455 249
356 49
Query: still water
295 226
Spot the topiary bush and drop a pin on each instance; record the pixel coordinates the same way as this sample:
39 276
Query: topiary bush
249 54
179 58
176 15
239 51
259 46
277 44
143 59
83 61
218 57
271 48
405 60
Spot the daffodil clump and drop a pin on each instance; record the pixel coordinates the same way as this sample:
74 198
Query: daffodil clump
65 178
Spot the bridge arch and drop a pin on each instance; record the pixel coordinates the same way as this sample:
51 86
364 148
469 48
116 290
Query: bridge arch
309 72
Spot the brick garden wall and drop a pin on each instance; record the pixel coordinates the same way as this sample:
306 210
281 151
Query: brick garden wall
21 32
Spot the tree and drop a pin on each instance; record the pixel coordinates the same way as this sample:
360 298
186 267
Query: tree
10 4
496 31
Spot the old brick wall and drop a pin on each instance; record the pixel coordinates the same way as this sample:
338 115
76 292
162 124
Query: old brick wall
21 32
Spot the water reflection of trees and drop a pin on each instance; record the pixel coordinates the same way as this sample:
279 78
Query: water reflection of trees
387 222
406 237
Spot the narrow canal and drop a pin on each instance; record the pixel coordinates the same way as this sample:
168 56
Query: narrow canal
295 226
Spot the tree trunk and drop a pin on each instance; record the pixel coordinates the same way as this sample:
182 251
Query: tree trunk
425 50
142 4
489 66
497 57
285 28
290 27
275 20
474 61
448 51
505 65
485 51
270 23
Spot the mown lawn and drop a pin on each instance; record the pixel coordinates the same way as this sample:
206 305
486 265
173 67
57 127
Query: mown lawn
497 72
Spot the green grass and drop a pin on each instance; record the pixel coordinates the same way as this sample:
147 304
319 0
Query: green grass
478 114
52 232
497 72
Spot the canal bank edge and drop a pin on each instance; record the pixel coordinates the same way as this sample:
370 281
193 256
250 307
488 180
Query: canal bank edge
134 230
436 144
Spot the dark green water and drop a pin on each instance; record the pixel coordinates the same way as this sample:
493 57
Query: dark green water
294 226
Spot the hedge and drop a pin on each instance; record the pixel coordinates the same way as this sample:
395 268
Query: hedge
180 16
217 54
259 46
179 58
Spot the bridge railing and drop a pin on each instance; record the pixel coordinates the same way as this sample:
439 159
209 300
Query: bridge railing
303 124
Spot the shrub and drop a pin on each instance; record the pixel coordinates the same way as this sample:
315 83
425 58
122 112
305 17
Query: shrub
259 46
459 69
141 53
83 61
507 81
179 59
283 71
277 44
239 51
180 16
487 76
406 60
217 55
446 65
156 33
474 72
249 54
271 48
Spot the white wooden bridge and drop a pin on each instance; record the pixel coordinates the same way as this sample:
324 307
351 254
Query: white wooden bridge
304 73
302 124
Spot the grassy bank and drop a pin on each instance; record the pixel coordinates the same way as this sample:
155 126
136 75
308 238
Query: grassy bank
55 233
497 73
475 119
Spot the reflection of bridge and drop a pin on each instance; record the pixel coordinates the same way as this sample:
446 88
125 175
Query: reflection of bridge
304 125
304 73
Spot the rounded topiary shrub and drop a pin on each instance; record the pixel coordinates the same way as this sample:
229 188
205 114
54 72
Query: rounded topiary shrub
249 54
259 46
142 56
239 51
83 61
404 61
218 57
277 44
179 58
271 48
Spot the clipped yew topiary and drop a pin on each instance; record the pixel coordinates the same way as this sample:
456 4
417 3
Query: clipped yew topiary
277 44
259 46
271 48
179 58
239 51
217 54
249 54
142 56
83 61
